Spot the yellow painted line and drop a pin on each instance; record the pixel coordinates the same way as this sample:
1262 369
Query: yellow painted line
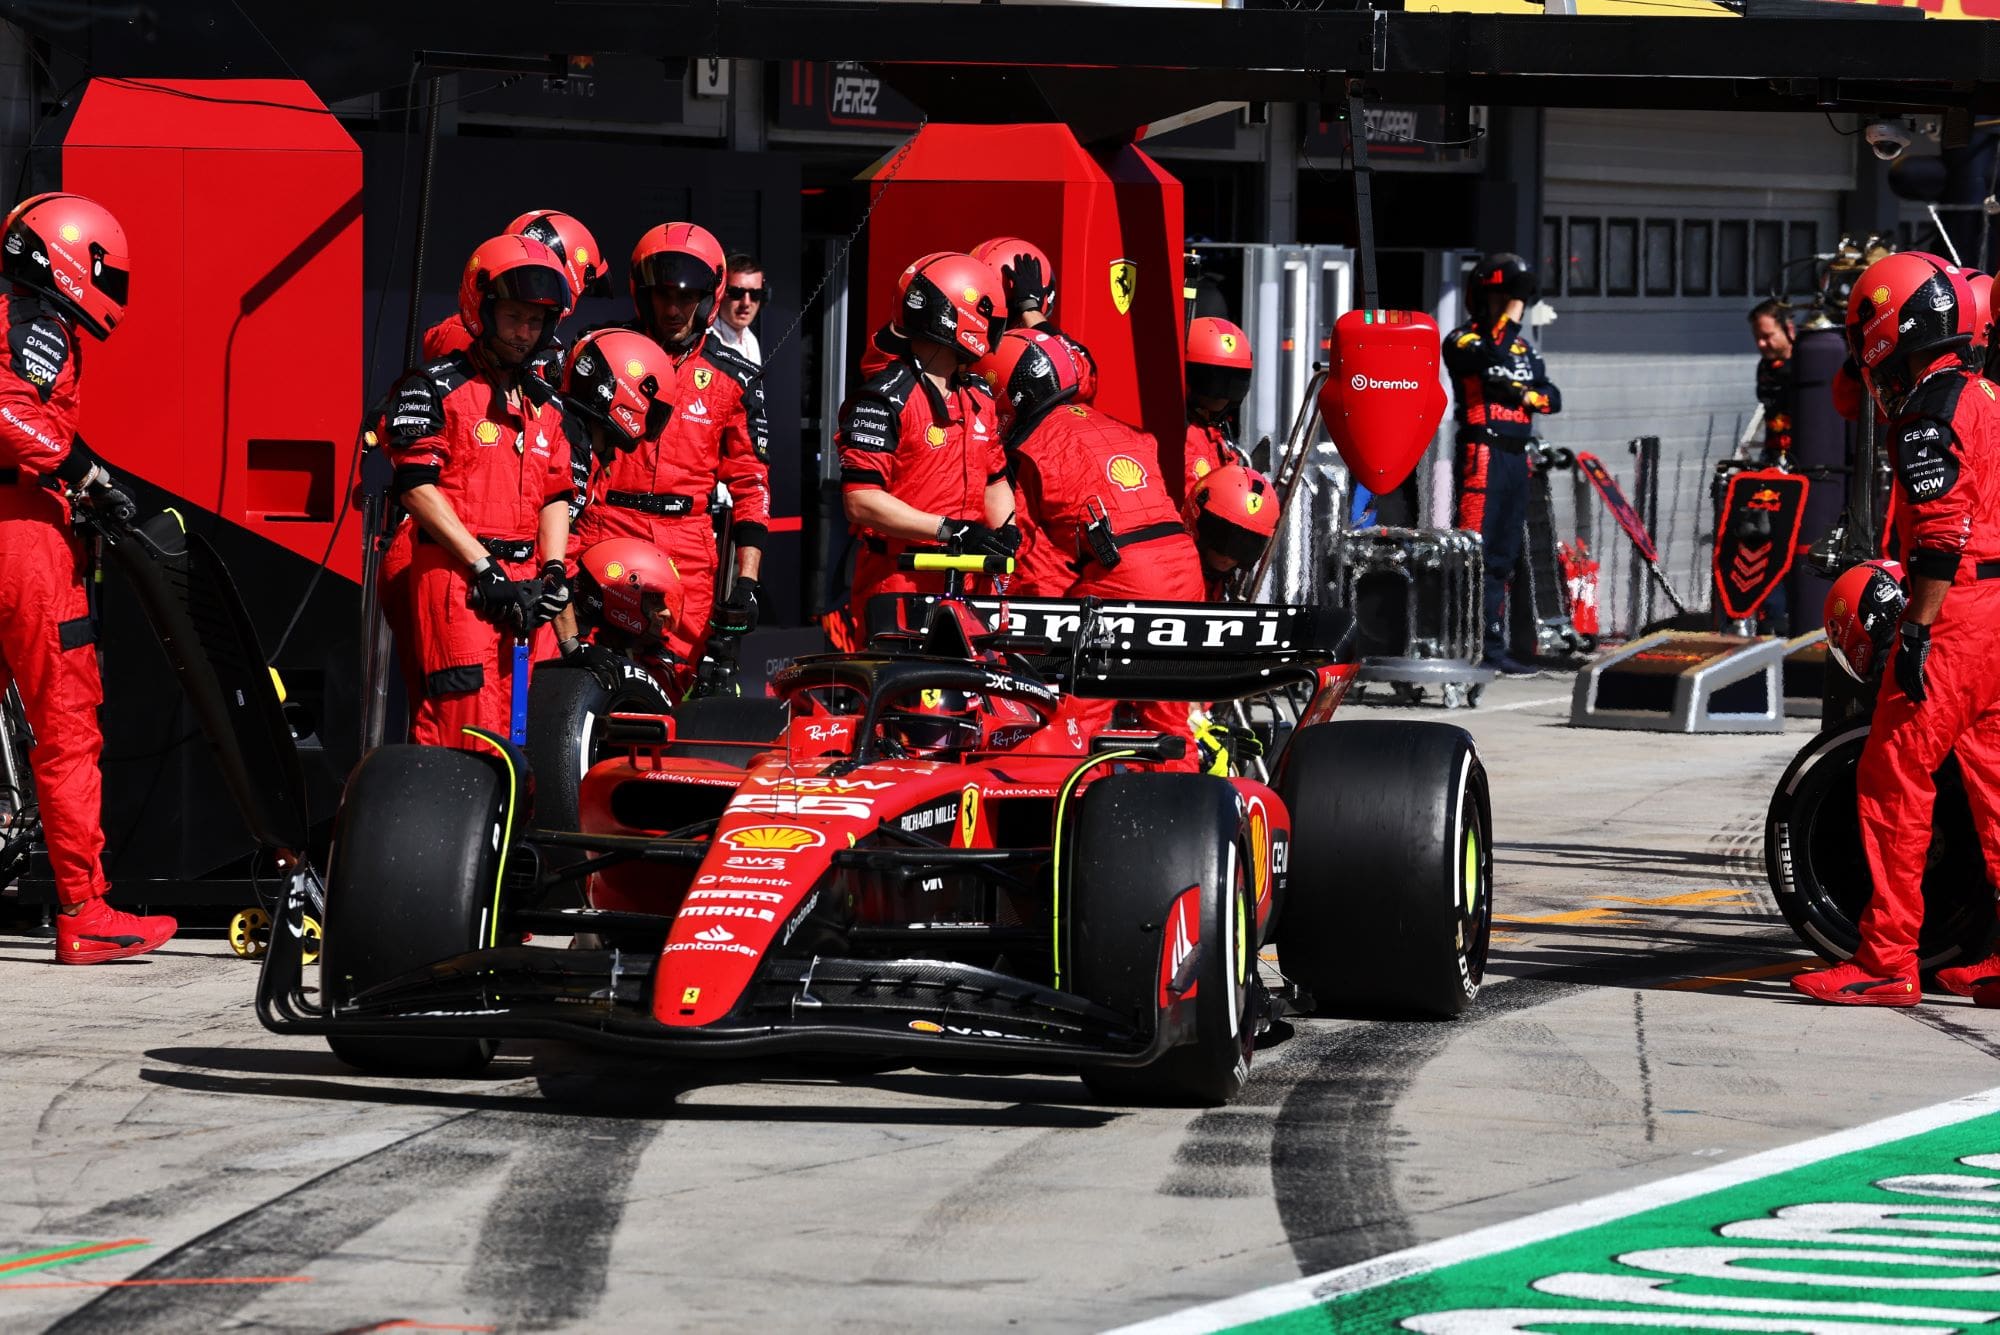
1573 915
1681 900
1708 980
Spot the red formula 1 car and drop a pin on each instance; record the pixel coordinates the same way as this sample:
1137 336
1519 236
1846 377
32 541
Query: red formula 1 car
938 861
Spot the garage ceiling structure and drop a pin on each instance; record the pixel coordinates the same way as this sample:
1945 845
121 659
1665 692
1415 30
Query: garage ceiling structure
1104 69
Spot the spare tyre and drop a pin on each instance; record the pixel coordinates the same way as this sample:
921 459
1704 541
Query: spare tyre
1812 855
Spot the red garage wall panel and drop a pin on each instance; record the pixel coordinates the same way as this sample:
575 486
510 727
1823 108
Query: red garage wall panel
235 380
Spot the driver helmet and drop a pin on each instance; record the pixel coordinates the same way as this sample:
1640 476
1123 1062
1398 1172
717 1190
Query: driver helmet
1232 513
630 586
1862 610
933 722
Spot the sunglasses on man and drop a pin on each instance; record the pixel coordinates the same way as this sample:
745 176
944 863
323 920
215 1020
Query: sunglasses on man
756 294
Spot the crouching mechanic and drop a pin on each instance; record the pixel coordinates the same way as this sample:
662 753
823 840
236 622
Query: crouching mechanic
1909 328
1096 519
1218 376
661 489
483 468
64 257
628 599
1500 387
1232 514
921 463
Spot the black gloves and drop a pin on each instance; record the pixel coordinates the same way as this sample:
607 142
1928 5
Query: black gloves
969 538
552 592
1028 288
90 484
595 659
505 602
738 613
1913 649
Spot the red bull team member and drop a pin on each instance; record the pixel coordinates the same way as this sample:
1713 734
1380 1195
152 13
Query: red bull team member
921 463
1218 376
1501 386
483 468
1909 329
1096 520
64 258
715 432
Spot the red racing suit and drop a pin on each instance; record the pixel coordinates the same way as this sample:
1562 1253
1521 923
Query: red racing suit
492 442
1208 448
45 627
890 343
661 491
1500 384
936 452
1087 486
1946 444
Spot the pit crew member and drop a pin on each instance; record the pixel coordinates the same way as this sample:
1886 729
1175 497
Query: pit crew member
921 462
1029 282
1500 386
483 468
715 432
1232 514
1909 330
64 259
1218 376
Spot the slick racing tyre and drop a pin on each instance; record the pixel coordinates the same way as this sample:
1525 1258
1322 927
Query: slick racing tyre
1812 855
567 708
1141 841
1389 902
412 880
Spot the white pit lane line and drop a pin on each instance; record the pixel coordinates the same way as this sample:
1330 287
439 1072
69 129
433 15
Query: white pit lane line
1313 1290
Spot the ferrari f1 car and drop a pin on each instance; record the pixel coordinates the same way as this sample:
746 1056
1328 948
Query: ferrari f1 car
953 854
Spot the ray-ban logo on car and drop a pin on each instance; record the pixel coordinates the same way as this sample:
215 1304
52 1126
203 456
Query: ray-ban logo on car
773 839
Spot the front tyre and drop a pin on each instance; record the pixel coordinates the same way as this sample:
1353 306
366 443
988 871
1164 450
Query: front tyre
412 879
1160 905
1390 901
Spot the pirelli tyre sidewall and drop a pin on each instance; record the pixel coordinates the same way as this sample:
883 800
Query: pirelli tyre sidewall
412 878
1812 857
1141 840
1389 901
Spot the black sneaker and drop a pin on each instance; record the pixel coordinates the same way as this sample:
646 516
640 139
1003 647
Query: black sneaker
1509 667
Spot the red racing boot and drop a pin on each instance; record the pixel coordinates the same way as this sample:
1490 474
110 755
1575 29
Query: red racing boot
1966 979
1850 985
97 932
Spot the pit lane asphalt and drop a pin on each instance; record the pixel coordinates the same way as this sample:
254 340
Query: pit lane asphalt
1635 1025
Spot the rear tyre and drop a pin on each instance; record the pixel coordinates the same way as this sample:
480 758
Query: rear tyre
1389 904
411 880
567 708
1141 840
1812 855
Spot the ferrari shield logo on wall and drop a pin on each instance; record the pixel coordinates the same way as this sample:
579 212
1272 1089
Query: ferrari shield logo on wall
1124 282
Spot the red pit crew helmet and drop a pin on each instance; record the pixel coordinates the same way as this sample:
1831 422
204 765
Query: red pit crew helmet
582 259
629 585
998 254
613 378
682 255
1029 372
1218 361
1232 513
955 300
1905 312
1863 608
72 251
512 268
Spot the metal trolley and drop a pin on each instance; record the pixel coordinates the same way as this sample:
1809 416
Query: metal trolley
1415 595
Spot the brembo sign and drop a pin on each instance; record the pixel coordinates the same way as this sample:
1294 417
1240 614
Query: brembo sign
1360 383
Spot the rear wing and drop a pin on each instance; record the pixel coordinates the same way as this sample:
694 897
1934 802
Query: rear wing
1133 650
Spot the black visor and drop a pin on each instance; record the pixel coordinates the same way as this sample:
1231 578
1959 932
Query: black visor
113 283
531 282
674 268
1217 382
1218 535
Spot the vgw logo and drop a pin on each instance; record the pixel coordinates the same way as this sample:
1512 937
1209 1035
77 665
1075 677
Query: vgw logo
1362 382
